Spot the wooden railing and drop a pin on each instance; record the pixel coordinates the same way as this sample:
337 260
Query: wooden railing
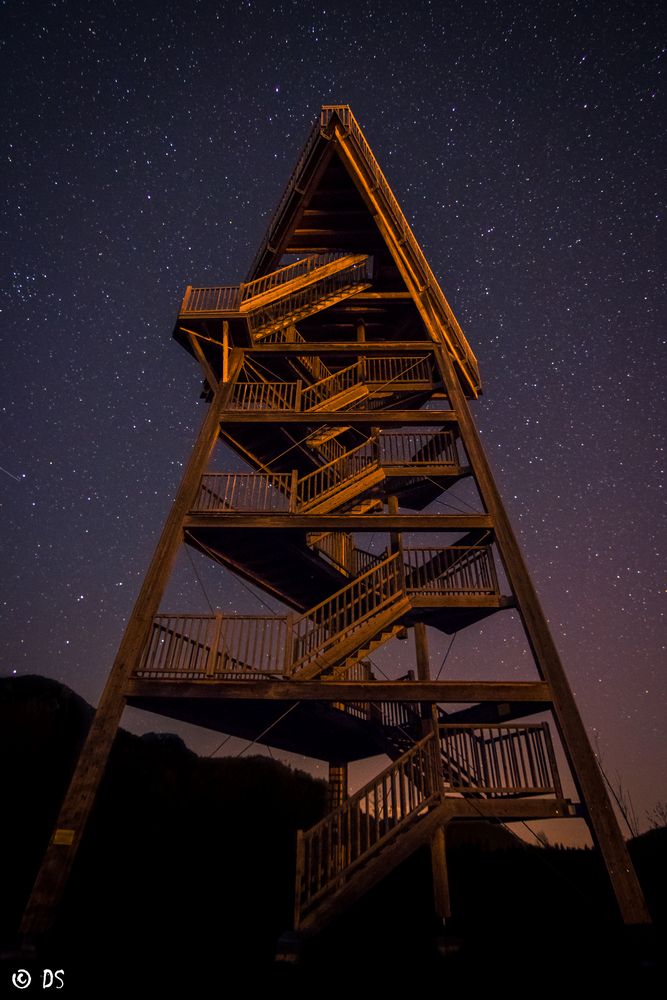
215 299
393 372
266 396
417 448
247 491
179 646
198 647
499 760
311 363
396 714
425 277
330 449
275 279
319 629
338 548
332 385
231 298
272 491
476 761
359 671
345 839
453 570
316 485
299 396
284 311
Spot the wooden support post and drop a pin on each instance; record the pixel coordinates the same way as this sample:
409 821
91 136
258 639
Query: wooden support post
225 351
395 537
338 787
428 711
75 811
590 784
293 491
361 338
441 899
396 542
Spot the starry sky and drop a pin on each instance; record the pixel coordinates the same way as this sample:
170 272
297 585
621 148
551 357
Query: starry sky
145 146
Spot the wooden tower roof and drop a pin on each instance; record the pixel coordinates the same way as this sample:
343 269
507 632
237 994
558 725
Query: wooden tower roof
338 200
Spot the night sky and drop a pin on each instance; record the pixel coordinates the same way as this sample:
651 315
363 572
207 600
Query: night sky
145 147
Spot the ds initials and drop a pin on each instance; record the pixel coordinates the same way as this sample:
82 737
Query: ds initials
50 979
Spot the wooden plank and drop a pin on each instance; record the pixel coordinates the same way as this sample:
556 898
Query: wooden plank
353 347
78 801
340 522
583 764
318 690
425 418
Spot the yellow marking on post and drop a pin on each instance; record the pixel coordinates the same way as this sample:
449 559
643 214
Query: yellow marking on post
64 838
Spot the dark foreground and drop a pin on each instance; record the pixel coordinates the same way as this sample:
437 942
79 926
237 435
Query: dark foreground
184 882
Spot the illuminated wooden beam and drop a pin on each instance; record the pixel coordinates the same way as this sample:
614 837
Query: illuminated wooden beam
341 522
345 691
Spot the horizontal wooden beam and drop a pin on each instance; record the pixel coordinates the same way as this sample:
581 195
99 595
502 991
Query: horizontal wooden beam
318 690
418 418
364 348
508 809
341 522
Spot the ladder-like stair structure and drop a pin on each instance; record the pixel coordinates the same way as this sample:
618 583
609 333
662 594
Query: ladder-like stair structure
456 771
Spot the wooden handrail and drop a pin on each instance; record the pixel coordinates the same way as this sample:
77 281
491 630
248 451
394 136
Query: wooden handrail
314 485
248 491
212 299
393 371
331 385
321 627
499 760
265 396
348 837
456 569
513 760
197 647
304 301
283 275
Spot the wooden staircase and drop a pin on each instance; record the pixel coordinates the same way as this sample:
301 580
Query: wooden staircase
333 635
295 300
434 780
337 629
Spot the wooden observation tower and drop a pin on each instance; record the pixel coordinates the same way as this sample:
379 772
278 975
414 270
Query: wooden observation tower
339 375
